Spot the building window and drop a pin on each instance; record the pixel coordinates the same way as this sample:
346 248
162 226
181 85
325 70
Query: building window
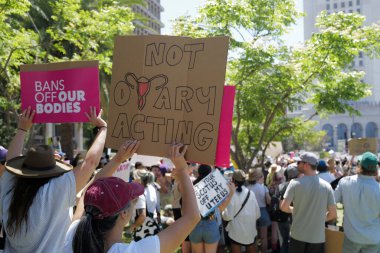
360 54
350 3
335 6
329 134
328 7
342 131
350 11
361 63
371 130
342 4
358 10
357 2
356 130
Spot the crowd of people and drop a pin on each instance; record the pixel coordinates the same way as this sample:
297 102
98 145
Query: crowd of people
48 205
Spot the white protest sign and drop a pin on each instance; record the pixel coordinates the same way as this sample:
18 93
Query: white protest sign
123 171
210 192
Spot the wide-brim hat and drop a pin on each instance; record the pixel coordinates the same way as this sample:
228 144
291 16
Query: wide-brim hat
39 162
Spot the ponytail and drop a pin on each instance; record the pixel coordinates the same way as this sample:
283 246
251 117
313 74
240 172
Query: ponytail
89 236
239 185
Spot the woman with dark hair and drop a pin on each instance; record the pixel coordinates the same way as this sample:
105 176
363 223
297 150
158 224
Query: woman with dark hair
256 185
109 205
37 190
206 235
242 213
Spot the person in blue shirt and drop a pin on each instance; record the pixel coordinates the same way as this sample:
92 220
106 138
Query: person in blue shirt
360 196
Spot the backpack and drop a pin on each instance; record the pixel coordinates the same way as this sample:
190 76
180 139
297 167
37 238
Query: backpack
274 210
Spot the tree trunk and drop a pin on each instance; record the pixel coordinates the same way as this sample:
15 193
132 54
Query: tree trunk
67 144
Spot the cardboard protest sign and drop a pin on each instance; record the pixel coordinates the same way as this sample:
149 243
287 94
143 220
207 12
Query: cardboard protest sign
167 89
210 192
361 145
274 149
334 241
60 92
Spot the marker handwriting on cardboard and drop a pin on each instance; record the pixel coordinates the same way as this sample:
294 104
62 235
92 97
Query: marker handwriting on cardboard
173 55
174 131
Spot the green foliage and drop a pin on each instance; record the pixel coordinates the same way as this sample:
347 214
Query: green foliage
43 31
273 79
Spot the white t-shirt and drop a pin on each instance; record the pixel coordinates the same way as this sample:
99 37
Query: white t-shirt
150 244
242 229
48 216
151 198
327 176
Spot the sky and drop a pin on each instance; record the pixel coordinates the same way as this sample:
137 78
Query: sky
176 8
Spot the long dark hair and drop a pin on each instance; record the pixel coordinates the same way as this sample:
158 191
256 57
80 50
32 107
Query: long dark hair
24 192
203 171
89 236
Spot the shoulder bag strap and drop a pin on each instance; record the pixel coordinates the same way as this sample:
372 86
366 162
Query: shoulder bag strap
242 206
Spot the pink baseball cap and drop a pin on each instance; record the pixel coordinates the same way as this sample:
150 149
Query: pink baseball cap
111 195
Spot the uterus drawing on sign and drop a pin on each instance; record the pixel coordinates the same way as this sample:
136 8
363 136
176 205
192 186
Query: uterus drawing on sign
142 84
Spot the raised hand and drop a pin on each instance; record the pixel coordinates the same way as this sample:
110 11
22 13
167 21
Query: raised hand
177 155
96 119
25 119
126 150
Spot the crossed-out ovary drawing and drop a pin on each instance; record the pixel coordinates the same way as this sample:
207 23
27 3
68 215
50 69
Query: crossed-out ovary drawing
142 85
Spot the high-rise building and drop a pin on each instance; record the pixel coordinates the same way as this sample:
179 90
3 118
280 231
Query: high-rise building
341 127
152 12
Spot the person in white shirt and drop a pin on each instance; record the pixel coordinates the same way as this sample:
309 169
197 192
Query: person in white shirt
323 172
37 190
109 205
242 213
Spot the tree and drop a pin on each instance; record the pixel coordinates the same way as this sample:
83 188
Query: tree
44 31
273 79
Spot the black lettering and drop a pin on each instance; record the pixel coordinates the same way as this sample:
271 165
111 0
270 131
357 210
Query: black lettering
182 96
174 55
208 98
121 127
163 100
169 131
184 132
136 134
156 122
193 49
201 140
152 53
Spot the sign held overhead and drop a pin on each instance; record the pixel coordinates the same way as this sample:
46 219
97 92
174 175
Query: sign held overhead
168 89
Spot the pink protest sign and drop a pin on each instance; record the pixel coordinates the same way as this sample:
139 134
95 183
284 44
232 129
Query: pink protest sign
225 127
60 92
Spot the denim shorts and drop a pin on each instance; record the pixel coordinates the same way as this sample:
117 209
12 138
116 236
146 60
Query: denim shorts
206 231
264 220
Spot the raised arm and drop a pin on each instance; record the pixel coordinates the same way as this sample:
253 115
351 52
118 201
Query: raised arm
176 233
91 161
126 150
24 125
